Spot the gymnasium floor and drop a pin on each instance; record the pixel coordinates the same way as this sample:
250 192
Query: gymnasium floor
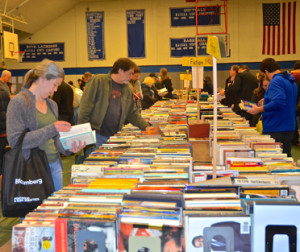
6 224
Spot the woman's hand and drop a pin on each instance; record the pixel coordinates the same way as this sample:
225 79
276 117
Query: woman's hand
260 102
62 126
76 148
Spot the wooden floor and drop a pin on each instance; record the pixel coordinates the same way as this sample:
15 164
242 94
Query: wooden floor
6 247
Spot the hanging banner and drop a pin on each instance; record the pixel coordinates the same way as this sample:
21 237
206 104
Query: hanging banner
136 33
38 52
207 15
201 45
182 47
95 35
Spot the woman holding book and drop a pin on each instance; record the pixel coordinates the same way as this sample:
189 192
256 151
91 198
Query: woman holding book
258 95
33 110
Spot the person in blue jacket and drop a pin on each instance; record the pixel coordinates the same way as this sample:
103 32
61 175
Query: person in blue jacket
279 106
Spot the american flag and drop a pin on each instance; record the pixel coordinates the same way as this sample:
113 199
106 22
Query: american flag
279 30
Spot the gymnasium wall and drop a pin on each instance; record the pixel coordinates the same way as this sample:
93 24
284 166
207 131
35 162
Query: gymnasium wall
244 26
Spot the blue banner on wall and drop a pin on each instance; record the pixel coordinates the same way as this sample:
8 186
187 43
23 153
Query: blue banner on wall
182 47
95 35
201 45
136 33
208 15
38 52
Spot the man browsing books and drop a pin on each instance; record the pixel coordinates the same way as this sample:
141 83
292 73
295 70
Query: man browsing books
108 102
279 107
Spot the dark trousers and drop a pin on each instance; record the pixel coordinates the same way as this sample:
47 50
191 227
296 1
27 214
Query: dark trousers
3 143
286 138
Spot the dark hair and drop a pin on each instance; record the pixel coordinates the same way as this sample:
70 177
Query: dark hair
297 65
123 63
47 69
270 65
244 67
71 82
259 91
235 68
164 73
196 237
153 75
136 70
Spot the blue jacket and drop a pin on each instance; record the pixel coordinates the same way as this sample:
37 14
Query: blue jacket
280 104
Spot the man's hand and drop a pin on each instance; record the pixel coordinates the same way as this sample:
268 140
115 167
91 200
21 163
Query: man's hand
255 110
222 92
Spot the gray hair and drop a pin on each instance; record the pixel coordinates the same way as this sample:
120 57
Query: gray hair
47 69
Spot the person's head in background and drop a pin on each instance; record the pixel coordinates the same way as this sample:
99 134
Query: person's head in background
5 76
269 67
234 70
122 70
153 76
297 65
263 85
243 68
136 74
86 76
163 73
149 81
44 79
71 83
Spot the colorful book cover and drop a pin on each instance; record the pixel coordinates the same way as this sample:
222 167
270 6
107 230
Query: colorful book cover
79 235
27 238
134 237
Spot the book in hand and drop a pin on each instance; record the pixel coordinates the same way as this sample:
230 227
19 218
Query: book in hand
246 105
162 92
82 132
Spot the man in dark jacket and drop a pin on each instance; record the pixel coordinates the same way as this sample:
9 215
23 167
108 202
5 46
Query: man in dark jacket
64 98
242 89
4 100
107 102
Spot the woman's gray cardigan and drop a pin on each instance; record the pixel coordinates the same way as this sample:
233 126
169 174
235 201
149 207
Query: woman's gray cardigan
19 118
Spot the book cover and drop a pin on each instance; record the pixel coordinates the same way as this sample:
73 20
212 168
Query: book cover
81 235
81 132
133 237
30 237
214 233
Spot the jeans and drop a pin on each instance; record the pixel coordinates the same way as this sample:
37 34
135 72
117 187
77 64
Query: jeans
75 118
56 171
100 140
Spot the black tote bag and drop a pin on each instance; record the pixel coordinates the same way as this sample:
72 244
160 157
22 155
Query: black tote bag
25 183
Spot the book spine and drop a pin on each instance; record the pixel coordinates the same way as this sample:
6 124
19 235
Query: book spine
61 241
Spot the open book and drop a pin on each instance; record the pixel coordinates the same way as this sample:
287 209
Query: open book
162 91
82 132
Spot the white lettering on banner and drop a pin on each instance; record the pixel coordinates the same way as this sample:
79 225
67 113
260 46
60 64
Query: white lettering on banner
25 199
29 182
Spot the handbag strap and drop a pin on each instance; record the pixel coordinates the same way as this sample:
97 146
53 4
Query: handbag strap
20 140
27 100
